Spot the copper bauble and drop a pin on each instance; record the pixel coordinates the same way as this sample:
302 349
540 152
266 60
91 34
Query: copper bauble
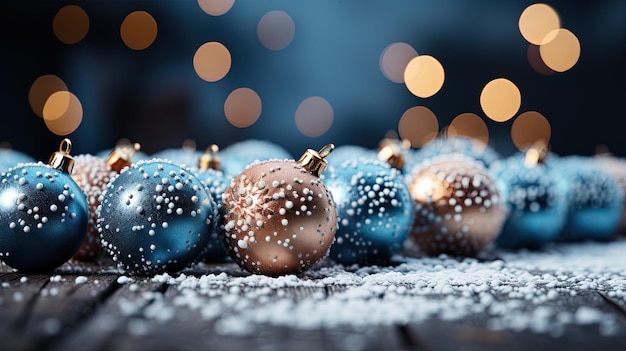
279 218
459 207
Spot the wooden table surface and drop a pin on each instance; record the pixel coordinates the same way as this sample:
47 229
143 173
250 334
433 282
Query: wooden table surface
94 306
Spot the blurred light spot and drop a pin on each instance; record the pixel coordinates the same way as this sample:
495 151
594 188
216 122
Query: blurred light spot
562 52
419 125
528 128
536 62
314 116
424 76
469 125
63 113
212 61
242 107
216 7
70 24
394 59
537 21
276 30
41 89
138 30
500 99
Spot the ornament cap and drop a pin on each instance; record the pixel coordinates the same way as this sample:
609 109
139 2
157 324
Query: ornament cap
393 150
536 154
121 156
62 160
316 161
210 159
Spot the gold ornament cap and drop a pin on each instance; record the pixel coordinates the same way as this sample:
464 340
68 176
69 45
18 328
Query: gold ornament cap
210 159
121 156
536 154
393 151
316 161
62 160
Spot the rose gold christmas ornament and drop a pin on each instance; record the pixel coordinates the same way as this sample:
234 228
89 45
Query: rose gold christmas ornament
92 174
279 217
459 207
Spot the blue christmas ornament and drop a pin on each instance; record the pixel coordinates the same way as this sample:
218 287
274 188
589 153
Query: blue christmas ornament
209 171
43 214
374 209
236 157
468 146
536 196
10 158
155 217
186 156
351 152
596 201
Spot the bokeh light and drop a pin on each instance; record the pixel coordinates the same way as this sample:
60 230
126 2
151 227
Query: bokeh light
419 125
41 89
561 52
470 125
314 116
529 128
216 7
63 113
70 24
537 21
138 30
500 99
212 61
394 59
276 30
242 107
424 76
536 62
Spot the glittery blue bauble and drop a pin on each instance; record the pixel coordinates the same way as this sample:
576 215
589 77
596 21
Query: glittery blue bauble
216 182
11 158
374 209
475 149
536 199
596 201
156 217
43 217
236 157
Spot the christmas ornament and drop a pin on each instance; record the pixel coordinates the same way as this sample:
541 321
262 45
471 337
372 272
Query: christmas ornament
92 174
536 199
459 209
187 155
351 152
445 145
374 211
124 143
155 217
595 199
394 151
279 217
43 213
616 167
236 157
10 158
208 170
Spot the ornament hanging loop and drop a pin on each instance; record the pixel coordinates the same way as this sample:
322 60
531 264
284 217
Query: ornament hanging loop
210 159
121 156
316 161
62 160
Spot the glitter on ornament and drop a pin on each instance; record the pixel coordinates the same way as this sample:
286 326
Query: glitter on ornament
279 217
375 211
92 174
459 208
236 157
595 199
536 199
43 213
155 217
209 171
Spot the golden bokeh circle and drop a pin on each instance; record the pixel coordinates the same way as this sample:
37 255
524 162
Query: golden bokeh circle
419 125
138 30
424 76
500 99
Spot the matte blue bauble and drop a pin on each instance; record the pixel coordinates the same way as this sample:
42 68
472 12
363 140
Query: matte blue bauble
596 201
536 196
43 217
374 210
236 157
156 217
